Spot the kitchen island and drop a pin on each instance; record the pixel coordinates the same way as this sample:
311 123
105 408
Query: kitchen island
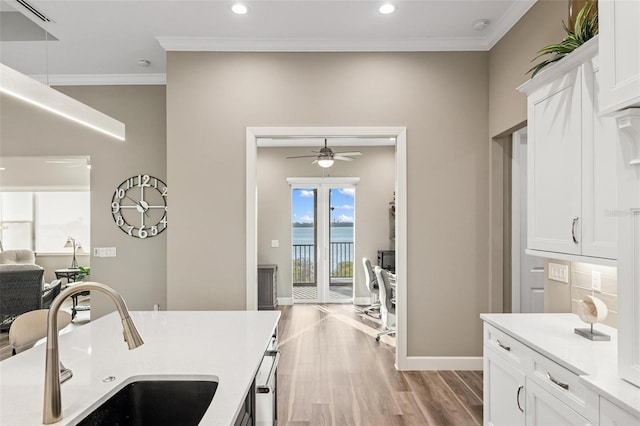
224 346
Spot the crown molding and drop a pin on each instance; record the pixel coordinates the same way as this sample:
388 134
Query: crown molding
511 17
225 44
102 79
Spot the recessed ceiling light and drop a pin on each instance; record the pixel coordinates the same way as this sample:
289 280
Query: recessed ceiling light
387 8
480 24
239 9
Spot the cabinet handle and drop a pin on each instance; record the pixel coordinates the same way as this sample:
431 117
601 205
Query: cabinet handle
518 398
555 382
573 229
506 348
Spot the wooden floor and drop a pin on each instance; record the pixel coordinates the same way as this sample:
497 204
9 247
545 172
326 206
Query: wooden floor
333 372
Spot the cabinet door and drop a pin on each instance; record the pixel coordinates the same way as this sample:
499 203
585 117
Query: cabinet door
503 391
612 415
555 166
599 171
620 53
543 409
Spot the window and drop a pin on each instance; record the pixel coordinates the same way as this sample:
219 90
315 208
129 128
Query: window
42 221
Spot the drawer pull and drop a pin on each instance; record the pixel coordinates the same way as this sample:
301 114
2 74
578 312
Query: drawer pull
518 397
555 382
506 348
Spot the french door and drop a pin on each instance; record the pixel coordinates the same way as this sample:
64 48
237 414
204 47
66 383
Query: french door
323 240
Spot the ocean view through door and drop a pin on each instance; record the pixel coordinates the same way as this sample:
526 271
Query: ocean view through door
322 255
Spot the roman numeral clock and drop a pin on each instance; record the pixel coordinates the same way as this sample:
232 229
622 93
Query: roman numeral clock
139 206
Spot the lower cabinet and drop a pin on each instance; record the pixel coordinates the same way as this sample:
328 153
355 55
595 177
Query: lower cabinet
612 415
504 391
544 409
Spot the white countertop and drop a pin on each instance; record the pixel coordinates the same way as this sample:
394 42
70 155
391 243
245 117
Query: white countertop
227 346
553 336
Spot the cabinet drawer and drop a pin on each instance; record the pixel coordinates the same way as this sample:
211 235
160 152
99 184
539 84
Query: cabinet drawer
505 345
564 385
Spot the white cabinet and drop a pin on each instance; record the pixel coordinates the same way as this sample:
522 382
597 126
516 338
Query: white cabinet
612 415
504 394
543 409
571 162
629 244
620 53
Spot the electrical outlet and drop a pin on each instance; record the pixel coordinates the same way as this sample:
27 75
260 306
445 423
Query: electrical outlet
275 243
559 272
596 281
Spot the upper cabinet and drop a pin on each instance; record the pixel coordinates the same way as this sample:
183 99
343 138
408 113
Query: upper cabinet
620 54
571 162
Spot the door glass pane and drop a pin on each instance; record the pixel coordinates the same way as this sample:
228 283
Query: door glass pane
304 242
341 215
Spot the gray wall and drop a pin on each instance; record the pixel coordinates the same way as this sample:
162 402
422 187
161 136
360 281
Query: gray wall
442 98
376 170
510 59
139 270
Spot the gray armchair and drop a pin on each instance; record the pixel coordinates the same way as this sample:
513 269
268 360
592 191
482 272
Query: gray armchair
20 291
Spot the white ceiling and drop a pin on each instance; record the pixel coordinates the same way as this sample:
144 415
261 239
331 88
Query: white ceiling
102 41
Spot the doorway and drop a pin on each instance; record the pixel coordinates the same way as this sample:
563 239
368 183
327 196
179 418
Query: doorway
384 136
527 271
323 243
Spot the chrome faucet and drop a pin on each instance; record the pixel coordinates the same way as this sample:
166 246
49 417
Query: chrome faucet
52 409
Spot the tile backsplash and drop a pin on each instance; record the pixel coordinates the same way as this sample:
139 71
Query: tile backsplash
581 285
561 297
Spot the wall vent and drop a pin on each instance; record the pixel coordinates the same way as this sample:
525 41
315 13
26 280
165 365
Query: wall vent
34 11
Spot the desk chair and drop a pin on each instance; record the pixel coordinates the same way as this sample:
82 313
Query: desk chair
387 303
372 285
30 327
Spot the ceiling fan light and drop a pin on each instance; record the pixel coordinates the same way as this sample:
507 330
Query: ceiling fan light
325 162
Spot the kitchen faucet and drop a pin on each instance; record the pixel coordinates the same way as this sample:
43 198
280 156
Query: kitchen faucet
52 409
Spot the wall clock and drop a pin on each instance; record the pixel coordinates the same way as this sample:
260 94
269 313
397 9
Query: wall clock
139 206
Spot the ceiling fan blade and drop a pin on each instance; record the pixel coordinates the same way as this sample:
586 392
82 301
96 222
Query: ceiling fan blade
302 156
352 153
340 157
314 161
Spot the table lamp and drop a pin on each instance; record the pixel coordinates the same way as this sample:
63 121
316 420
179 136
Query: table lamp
71 242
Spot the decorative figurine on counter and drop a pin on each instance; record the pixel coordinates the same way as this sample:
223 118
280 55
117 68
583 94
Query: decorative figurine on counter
592 310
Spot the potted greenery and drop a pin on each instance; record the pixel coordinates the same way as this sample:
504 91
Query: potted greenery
585 28
84 272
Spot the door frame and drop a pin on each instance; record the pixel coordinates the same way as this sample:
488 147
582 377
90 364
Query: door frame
389 136
515 220
322 184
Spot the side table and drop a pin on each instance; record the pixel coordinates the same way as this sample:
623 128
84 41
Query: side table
71 274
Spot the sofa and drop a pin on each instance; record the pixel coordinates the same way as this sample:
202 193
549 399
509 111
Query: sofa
21 288
17 257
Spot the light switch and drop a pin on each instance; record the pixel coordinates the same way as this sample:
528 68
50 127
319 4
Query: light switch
559 272
275 243
104 252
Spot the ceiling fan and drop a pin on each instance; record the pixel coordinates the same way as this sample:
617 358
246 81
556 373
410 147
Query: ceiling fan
325 157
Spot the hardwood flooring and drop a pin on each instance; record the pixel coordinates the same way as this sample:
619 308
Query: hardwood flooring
333 372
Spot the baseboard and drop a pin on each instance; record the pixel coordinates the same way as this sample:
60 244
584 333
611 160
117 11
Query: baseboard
366 300
285 300
426 363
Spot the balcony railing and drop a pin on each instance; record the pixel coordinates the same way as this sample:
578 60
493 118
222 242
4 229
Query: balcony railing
304 263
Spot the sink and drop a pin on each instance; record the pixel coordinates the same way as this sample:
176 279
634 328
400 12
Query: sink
155 402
